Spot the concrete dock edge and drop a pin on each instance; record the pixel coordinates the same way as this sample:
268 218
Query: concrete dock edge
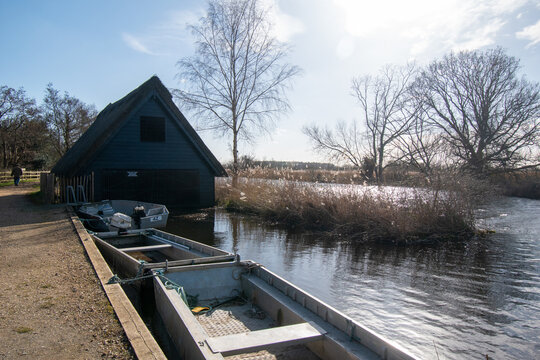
142 341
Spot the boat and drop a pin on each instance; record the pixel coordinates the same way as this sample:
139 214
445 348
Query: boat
135 252
242 310
100 216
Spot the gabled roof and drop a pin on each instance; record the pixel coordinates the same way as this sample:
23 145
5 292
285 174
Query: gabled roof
113 117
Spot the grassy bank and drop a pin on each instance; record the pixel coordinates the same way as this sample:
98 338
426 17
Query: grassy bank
10 183
524 184
402 217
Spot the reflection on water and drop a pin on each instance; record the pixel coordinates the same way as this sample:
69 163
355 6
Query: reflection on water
462 300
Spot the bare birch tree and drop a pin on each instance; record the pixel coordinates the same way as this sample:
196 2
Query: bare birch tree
236 81
488 116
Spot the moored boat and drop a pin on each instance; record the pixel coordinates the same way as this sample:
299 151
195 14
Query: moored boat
100 216
213 311
136 251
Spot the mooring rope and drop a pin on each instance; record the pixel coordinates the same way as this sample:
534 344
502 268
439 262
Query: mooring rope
168 283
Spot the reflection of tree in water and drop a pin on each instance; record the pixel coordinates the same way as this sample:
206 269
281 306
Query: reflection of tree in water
235 230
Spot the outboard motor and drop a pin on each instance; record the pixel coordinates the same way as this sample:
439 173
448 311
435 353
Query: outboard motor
122 222
138 214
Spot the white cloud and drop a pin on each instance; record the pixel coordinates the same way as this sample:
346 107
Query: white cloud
480 37
530 33
136 44
428 24
165 37
506 6
168 36
284 26
345 47
175 26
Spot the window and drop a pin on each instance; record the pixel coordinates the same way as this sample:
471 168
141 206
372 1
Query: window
152 129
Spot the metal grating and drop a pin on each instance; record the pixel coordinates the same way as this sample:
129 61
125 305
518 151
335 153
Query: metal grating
236 319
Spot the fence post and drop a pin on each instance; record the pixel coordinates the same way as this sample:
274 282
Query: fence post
51 188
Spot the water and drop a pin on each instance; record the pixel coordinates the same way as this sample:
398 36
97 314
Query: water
450 301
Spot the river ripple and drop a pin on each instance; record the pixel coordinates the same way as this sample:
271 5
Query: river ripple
457 300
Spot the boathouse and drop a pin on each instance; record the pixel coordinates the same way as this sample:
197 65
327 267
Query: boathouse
143 148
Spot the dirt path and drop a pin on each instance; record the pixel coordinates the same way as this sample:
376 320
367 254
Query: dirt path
51 303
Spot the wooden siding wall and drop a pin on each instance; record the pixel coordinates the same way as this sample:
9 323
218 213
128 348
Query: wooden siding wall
126 151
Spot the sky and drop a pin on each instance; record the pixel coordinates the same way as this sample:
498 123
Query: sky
98 51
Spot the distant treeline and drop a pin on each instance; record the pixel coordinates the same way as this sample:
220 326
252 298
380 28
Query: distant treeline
248 162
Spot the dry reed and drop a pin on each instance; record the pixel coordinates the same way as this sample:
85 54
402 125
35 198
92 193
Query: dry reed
358 213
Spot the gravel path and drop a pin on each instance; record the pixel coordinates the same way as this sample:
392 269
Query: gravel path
52 304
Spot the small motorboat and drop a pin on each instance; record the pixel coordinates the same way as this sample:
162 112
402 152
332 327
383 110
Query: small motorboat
112 215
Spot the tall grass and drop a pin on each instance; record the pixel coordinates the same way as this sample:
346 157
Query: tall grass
358 213
521 184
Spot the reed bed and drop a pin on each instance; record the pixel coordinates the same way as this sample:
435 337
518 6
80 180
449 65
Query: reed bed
342 176
524 184
361 214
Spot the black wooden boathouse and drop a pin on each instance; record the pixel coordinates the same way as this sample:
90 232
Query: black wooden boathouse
143 148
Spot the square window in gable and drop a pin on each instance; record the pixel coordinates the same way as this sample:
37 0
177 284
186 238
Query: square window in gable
152 129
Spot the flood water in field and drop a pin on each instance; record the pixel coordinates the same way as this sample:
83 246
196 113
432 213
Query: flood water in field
452 301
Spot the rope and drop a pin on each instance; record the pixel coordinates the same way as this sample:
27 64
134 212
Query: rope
189 300
168 283
141 267
171 285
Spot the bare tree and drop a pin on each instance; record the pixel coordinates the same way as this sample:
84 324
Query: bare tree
67 118
488 116
386 115
385 107
343 144
421 146
236 82
16 112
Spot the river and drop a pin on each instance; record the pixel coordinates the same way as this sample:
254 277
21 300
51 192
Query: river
460 300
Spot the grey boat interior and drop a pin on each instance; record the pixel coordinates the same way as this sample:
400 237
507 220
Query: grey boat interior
137 251
151 215
250 312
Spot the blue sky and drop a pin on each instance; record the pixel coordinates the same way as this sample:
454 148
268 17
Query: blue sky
98 51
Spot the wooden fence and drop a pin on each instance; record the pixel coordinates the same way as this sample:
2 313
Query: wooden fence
67 190
5 176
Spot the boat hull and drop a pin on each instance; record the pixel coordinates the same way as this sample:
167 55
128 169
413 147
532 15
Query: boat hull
282 302
137 251
97 216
